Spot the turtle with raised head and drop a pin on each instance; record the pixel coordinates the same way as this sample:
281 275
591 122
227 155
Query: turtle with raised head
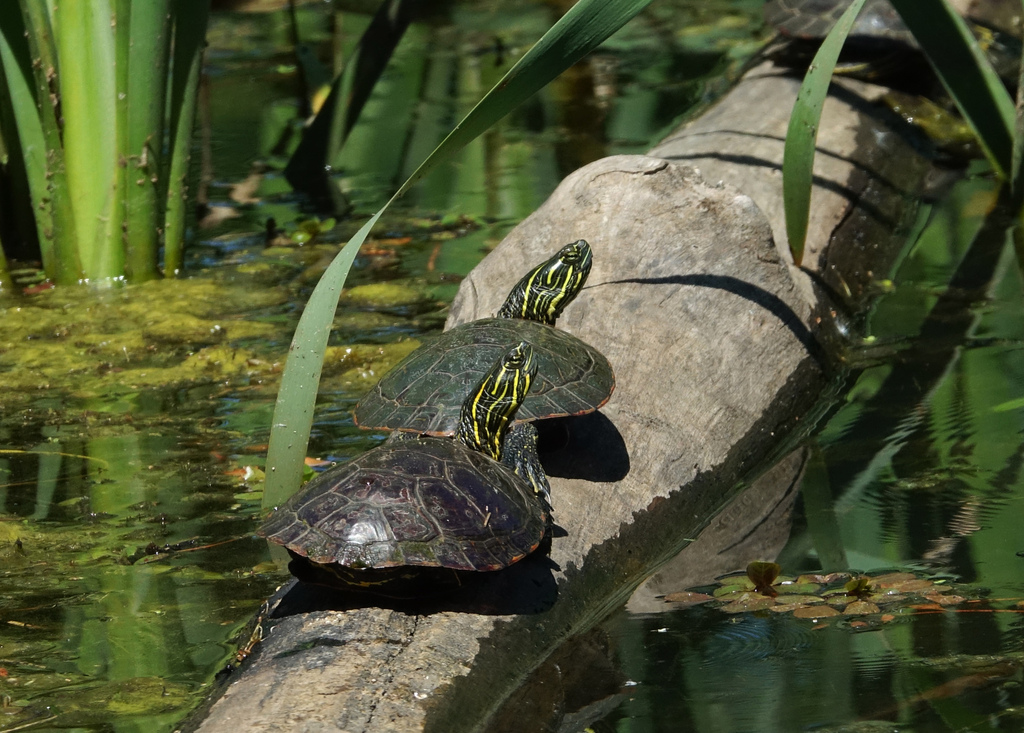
425 391
420 512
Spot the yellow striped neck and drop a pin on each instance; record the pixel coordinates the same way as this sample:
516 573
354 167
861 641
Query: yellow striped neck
492 404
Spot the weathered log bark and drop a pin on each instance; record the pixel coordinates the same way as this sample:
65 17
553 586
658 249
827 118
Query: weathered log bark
721 351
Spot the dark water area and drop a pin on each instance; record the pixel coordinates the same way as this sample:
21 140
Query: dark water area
133 422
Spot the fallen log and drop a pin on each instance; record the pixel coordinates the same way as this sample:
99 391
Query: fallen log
722 350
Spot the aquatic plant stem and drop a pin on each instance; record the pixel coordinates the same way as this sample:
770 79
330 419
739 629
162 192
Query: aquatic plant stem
86 57
296 397
148 41
802 134
190 18
44 165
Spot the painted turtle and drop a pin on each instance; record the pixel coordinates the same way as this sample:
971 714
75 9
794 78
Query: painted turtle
811 20
424 392
879 44
419 511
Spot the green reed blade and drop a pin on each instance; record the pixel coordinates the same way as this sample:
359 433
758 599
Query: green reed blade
968 77
57 231
578 32
802 135
189 17
21 126
296 397
148 41
85 52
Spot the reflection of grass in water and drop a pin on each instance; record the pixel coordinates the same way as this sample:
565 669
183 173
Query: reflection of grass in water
125 626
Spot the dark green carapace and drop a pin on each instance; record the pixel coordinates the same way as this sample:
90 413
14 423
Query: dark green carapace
424 393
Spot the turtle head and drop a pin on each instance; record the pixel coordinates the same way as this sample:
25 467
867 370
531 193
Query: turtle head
545 290
491 406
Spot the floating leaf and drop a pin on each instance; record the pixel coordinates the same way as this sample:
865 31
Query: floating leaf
859 587
688 597
796 588
762 575
815 612
912 586
803 600
727 590
861 608
750 602
891 579
798 154
945 600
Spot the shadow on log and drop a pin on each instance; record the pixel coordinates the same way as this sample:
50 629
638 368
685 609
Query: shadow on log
722 352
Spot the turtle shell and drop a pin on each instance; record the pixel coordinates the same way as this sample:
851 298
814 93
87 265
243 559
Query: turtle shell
414 501
813 19
425 391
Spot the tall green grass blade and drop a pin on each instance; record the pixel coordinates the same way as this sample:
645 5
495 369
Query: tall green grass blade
296 397
58 231
20 124
148 47
85 51
968 77
189 17
122 53
802 135
578 32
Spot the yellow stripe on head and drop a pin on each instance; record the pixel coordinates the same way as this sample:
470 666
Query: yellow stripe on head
492 404
547 289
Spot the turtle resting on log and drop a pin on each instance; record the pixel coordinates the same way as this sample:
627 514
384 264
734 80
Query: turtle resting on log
424 392
419 513
722 349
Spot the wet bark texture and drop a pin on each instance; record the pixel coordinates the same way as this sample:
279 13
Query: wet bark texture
721 350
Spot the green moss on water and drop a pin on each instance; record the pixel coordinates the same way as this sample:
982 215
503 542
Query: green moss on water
356 368
390 294
94 704
158 334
